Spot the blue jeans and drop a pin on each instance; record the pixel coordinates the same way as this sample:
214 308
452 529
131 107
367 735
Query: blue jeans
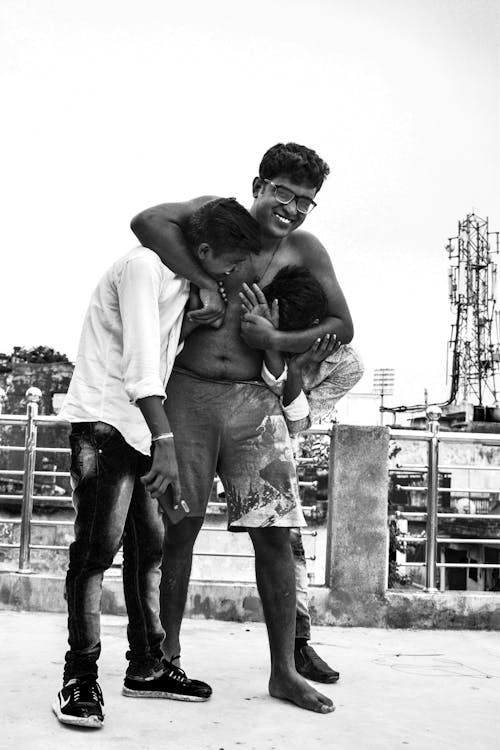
112 507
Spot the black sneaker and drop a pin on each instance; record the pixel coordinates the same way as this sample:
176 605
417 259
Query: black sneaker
173 683
80 702
312 667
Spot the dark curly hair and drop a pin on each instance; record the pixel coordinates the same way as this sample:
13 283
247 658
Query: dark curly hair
299 163
225 225
300 296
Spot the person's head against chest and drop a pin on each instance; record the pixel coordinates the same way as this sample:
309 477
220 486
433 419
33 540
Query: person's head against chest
221 235
301 299
290 176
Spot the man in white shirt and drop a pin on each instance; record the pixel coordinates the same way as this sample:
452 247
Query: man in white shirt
115 401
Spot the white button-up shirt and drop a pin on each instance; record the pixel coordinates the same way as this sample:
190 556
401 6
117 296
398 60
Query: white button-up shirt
128 344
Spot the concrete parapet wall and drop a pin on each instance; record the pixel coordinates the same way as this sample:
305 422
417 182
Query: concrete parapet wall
44 593
452 610
241 603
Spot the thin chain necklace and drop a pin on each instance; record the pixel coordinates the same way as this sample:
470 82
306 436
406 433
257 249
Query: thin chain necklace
259 278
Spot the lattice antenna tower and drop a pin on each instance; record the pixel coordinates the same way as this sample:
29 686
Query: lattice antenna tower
474 350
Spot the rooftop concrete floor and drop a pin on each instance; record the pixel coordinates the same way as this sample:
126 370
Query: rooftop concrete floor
399 688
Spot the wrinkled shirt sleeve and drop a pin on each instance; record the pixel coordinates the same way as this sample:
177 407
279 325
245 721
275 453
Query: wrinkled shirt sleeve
138 296
328 381
276 385
297 414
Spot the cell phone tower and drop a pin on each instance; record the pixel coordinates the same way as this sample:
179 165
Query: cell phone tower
474 350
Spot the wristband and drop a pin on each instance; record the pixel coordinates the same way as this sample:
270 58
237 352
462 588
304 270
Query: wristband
163 436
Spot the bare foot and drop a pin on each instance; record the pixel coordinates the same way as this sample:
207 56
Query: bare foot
294 688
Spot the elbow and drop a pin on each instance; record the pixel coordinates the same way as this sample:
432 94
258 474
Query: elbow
349 333
139 226
348 326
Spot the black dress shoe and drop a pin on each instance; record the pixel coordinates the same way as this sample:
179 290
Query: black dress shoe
312 667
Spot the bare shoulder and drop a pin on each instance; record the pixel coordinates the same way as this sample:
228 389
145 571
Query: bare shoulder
307 248
310 252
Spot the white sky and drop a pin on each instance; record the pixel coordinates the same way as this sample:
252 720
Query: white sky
109 106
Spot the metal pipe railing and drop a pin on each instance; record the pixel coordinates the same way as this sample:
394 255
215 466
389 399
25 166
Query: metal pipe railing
463 516
431 436
420 468
432 498
33 395
449 490
452 540
431 539
31 421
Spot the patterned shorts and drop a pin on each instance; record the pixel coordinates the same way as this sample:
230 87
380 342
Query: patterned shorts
237 430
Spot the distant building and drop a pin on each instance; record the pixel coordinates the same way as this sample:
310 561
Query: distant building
462 417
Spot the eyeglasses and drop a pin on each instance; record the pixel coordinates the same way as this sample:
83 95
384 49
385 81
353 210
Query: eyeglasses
285 196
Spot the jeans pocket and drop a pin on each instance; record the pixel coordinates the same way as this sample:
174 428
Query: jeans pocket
103 433
77 439
83 453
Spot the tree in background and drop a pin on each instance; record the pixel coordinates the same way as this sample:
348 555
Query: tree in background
37 354
50 371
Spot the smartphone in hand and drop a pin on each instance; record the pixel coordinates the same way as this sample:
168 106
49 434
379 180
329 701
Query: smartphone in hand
174 514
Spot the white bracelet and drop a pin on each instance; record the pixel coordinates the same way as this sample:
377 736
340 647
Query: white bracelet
163 436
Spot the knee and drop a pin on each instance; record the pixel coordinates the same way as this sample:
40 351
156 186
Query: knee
153 551
184 533
271 540
91 557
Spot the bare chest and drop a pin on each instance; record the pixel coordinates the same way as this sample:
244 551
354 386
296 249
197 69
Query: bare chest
221 352
267 265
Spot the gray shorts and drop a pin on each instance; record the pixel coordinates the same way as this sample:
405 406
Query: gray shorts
237 430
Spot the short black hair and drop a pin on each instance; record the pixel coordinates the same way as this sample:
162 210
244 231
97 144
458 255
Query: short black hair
299 163
225 225
300 296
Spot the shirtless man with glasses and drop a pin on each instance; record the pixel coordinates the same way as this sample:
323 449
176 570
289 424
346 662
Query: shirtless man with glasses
222 357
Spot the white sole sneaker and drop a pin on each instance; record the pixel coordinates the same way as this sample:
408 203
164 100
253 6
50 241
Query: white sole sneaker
92 722
161 694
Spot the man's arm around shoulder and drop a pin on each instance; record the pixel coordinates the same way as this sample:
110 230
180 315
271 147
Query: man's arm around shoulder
310 253
161 229
316 258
